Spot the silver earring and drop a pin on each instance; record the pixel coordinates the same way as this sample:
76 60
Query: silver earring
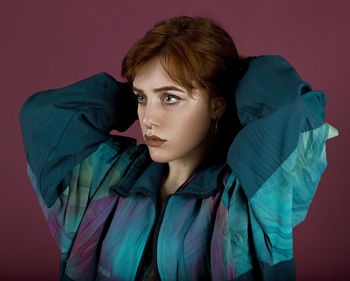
216 126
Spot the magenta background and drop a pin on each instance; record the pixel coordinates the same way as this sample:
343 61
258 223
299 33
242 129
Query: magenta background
47 44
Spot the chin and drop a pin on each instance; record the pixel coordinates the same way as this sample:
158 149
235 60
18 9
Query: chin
159 156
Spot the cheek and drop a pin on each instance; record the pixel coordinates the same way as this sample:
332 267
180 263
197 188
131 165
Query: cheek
192 126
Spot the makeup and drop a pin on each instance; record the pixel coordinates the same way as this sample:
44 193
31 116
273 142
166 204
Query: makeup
154 141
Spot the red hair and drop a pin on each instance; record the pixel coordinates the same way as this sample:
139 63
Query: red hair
190 50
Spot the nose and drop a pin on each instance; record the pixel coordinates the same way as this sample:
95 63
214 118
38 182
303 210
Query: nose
149 115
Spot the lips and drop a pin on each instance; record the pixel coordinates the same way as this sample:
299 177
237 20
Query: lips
154 141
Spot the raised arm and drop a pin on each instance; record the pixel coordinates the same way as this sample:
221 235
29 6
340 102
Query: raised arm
63 126
275 107
278 159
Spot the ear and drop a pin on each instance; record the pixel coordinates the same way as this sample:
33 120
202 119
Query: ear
217 107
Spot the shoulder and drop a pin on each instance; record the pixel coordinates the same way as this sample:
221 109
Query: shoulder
117 162
124 148
116 157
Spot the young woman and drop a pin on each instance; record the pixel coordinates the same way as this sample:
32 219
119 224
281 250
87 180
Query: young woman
235 148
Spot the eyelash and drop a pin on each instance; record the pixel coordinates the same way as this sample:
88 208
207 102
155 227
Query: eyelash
163 99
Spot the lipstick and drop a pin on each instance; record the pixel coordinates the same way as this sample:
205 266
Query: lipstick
154 141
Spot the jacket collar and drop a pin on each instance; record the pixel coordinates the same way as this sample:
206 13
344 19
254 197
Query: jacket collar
146 177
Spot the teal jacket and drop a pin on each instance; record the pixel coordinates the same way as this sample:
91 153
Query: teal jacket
233 220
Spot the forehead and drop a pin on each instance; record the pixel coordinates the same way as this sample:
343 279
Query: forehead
152 75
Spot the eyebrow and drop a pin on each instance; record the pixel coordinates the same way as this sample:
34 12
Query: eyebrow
161 89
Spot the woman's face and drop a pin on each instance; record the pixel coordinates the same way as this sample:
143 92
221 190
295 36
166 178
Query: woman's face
174 124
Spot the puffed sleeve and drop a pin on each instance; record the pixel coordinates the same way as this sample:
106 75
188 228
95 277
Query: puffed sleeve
69 151
279 155
61 127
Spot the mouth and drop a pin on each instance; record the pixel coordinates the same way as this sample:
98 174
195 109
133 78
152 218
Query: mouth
154 141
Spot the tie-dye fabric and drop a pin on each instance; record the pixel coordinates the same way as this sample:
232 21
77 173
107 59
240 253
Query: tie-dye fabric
232 221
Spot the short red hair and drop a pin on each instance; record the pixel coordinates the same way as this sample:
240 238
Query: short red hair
190 50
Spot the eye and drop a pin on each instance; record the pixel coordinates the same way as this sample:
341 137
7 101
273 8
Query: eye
170 99
140 98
